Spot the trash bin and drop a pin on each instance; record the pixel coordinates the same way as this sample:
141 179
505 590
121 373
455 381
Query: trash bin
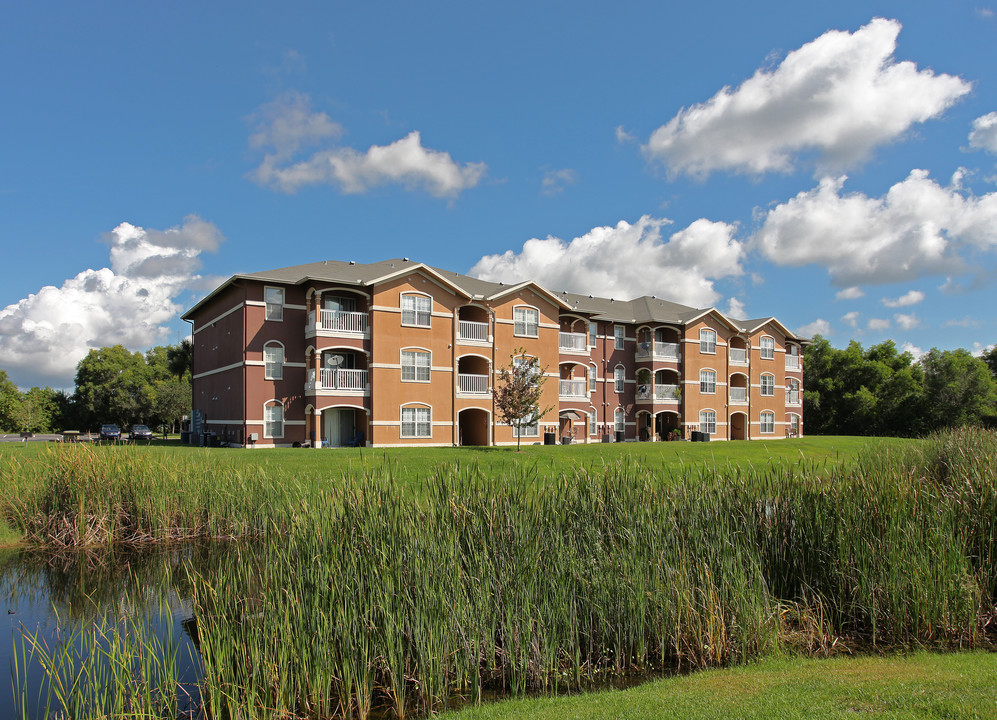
704 437
695 436
550 438
619 436
566 440
606 438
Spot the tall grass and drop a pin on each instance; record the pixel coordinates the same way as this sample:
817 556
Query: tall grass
360 596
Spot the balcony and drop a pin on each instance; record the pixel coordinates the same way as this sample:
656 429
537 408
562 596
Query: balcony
739 395
567 389
792 362
339 322
658 351
469 331
792 397
658 393
472 384
337 380
573 342
738 356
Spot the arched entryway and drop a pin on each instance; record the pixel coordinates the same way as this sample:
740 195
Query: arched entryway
664 423
473 426
738 426
572 425
343 426
645 426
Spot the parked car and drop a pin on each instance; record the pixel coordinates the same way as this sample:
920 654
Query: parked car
110 431
140 432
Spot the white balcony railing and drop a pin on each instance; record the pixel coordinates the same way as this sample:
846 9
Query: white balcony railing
738 394
343 321
472 384
572 388
573 341
339 379
792 397
738 356
666 392
657 350
792 362
472 331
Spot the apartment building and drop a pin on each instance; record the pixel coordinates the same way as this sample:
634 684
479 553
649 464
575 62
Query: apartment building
399 353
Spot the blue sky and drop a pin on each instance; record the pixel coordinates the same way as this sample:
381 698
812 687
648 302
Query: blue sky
833 165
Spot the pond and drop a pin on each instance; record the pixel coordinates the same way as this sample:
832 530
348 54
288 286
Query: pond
75 616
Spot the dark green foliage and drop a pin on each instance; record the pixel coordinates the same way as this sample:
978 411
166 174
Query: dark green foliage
883 392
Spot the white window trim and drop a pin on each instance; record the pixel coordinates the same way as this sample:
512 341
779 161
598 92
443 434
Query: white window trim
283 360
593 377
266 424
761 385
415 368
619 384
593 333
714 343
617 413
708 411
526 332
761 347
761 422
619 338
416 423
429 313
708 392
266 305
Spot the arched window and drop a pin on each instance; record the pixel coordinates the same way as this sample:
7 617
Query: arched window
593 376
273 361
417 421
416 364
793 392
620 420
619 378
417 310
526 321
708 421
273 419
767 346
768 422
768 385
708 342
708 382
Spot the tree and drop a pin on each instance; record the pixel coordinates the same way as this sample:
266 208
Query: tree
113 385
171 401
10 398
37 410
180 359
959 388
990 358
519 395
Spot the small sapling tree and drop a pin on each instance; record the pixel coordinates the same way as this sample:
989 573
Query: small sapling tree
520 392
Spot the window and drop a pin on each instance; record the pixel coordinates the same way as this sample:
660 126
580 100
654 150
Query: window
416 310
708 341
767 346
417 422
274 299
531 430
793 391
768 422
708 422
273 420
619 336
521 360
619 378
620 420
592 421
593 332
527 321
794 425
592 377
768 385
707 381
273 359
415 366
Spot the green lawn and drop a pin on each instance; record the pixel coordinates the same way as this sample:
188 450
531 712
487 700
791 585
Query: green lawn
922 685
414 463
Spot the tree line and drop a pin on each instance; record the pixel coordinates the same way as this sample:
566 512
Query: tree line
113 385
882 391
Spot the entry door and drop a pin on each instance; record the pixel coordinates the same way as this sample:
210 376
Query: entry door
338 427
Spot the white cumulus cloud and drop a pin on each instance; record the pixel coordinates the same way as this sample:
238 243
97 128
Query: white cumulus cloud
851 319
820 326
910 298
878 324
918 228
907 321
838 97
983 136
849 293
627 261
288 125
554 181
45 335
735 309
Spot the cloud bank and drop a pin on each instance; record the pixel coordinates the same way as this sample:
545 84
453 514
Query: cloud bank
627 261
45 335
287 126
918 228
839 96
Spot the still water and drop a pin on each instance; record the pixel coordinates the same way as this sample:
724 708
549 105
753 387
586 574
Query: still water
57 603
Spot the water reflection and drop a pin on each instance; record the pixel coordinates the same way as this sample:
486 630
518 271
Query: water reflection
50 597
